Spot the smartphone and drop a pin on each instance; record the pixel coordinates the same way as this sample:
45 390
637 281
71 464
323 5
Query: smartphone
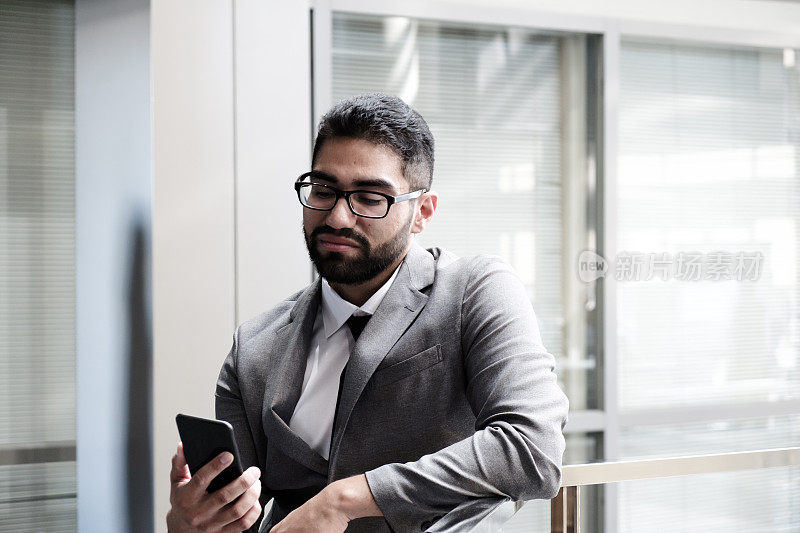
203 439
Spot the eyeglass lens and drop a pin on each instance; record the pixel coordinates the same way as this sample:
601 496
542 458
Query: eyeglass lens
362 203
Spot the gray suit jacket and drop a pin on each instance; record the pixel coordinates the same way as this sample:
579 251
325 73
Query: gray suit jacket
449 396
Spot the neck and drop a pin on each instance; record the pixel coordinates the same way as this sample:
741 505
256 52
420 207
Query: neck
358 294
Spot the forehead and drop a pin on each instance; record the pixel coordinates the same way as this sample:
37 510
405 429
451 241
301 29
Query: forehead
352 160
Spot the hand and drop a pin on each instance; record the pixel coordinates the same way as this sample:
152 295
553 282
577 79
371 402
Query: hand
193 509
330 510
320 514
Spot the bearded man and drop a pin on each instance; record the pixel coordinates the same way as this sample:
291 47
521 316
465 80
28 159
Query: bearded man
403 384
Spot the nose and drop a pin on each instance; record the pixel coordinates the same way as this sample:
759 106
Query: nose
340 216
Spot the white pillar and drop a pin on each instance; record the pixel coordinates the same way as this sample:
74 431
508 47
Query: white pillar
193 215
112 203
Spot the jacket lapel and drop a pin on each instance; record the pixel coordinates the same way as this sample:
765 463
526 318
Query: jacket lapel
394 315
290 350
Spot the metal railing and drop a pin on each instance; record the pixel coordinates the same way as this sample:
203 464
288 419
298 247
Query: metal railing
490 514
565 507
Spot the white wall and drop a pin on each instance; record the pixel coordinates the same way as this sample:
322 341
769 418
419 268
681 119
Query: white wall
229 139
193 229
273 147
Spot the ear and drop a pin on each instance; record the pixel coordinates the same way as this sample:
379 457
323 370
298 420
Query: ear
425 207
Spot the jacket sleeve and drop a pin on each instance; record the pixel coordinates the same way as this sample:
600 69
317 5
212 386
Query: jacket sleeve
520 411
230 407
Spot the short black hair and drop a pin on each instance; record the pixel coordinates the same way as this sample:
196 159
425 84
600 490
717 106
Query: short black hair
385 120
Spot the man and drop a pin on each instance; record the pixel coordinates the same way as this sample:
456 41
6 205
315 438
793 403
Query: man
402 384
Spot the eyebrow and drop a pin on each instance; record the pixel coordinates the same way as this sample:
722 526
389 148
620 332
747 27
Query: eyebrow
364 182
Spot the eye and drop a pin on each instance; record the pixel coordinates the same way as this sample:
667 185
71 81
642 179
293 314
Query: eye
369 201
321 193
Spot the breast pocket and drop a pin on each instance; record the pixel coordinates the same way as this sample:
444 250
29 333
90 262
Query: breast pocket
406 367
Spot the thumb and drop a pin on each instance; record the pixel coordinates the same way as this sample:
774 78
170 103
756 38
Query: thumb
180 470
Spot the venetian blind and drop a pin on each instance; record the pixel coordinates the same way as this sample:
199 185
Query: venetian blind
708 168
491 97
708 162
37 262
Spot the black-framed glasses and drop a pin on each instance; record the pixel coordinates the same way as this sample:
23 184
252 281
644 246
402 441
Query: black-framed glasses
368 204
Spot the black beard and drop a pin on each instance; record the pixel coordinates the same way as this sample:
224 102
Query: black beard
338 268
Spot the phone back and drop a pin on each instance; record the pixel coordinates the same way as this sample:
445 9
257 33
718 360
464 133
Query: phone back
203 439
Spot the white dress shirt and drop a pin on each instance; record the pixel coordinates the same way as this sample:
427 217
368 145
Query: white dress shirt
331 344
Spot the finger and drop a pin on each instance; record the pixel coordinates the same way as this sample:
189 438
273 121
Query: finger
180 470
239 507
246 521
215 502
203 477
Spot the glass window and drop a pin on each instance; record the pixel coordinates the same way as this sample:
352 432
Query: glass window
708 183
757 501
719 436
502 104
37 264
708 166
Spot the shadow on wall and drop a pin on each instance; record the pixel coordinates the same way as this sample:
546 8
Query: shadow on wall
139 454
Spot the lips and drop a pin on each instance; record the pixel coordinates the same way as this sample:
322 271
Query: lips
336 244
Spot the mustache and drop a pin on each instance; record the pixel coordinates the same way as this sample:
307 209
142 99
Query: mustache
347 233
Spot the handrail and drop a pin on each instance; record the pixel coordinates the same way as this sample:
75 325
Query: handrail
565 507
596 473
489 514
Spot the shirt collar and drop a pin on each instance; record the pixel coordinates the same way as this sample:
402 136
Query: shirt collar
336 310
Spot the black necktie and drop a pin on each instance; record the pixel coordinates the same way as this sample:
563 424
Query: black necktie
356 325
